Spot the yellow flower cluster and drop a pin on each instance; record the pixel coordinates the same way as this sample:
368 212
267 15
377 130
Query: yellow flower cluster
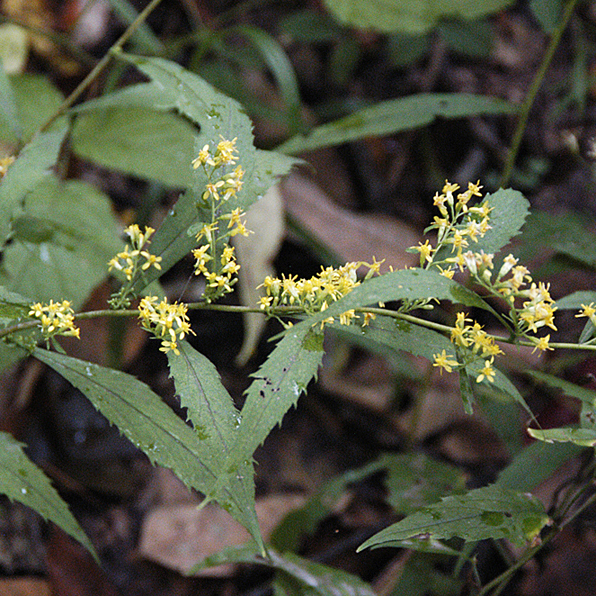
477 345
315 294
458 225
168 322
57 318
589 311
133 258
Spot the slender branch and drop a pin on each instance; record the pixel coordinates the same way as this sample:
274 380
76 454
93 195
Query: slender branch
102 64
533 91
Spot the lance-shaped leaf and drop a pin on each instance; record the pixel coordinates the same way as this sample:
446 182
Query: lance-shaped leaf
29 169
214 416
489 512
396 115
21 480
276 387
155 429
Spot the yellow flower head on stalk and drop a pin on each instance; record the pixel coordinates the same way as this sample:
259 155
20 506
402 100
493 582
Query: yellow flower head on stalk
168 322
57 318
542 344
130 261
486 372
444 362
589 311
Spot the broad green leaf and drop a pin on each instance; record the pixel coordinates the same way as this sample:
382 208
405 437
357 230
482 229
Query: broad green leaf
29 169
390 117
470 39
143 142
489 512
12 306
155 429
587 396
297 576
535 464
21 480
276 387
409 16
63 240
308 26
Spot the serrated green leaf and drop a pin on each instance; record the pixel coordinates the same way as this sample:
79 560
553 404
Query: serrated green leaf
28 170
587 396
409 16
405 284
489 512
390 117
510 210
62 242
140 141
23 481
156 430
245 553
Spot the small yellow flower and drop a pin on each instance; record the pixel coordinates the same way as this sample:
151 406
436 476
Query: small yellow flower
444 362
56 318
486 372
588 310
542 344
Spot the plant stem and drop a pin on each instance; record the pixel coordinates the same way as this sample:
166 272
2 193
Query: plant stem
102 64
533 91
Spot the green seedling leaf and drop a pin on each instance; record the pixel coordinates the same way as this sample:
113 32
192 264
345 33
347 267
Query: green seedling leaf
30 168
390 117
489 512
62 242
409 16
23 481
155 429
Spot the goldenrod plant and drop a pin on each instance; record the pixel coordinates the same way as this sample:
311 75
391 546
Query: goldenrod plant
69 249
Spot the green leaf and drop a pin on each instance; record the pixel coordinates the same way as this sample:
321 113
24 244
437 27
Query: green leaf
547 13
297 576
8 106
535 464
409 284
62 242
36 100
510 210
584 437
409 16
29 169
23 481
140 141
214 416
389 117
155 429
470 39
574 301
489 512
390 336
276 387
587 396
